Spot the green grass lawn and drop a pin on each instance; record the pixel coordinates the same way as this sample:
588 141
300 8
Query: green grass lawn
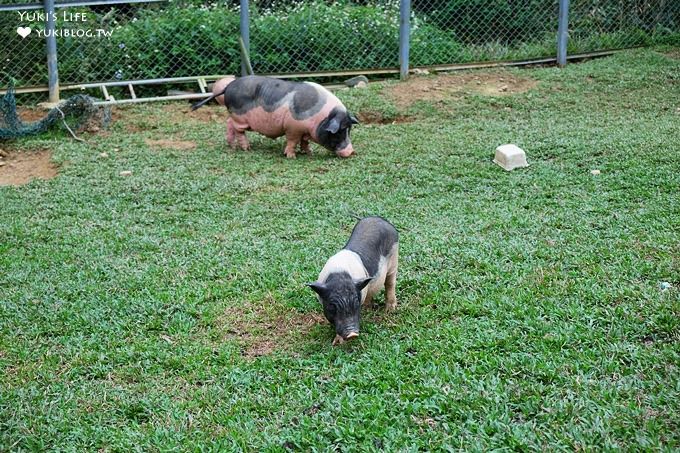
167 310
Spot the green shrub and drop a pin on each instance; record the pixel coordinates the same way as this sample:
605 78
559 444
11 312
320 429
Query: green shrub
303 37
158 43
316 36
478 22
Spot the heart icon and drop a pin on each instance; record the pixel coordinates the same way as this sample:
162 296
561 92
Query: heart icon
24 31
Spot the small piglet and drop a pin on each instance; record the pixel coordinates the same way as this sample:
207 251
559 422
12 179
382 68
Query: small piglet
354 275
302 111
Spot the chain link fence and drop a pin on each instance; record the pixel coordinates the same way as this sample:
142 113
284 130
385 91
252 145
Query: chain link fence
322 36
482 30
21 58
181 38
602 24
154 42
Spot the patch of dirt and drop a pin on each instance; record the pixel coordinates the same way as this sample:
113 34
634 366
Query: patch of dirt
260 331
134 128
17 169
180 145
370 117
29 115
447 86
117 114
95 124
212 112
673 54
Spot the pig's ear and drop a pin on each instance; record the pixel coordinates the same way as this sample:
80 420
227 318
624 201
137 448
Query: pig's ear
318 288
333 125
353 119
361 284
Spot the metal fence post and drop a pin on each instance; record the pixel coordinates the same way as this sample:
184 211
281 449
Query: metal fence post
404 37
562 33
51 43
245 34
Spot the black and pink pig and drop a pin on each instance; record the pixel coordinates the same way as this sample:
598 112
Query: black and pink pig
302 111
355 274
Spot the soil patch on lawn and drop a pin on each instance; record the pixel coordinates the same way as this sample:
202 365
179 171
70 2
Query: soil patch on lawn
447 86
17 169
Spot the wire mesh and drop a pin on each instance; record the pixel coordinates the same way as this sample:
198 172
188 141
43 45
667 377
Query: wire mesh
193 37
461 31
324 36
150 42
77 109
22 57
608 24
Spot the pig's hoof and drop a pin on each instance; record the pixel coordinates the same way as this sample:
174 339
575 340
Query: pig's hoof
338 340
290 155
391 305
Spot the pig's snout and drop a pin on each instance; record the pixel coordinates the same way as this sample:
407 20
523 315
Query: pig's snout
351 335
340 339
346 151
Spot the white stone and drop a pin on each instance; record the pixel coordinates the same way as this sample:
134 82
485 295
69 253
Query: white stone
125 173
594 172
510 157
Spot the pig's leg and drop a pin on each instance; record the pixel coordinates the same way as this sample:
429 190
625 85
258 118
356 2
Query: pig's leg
390 294
391 283
304 145
240 132
291 142
231 134
243 140
368 301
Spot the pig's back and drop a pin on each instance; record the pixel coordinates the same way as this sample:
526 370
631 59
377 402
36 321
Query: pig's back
373 238
302 100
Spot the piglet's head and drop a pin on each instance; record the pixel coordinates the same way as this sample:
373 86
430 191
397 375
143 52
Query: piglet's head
333 132
340 296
